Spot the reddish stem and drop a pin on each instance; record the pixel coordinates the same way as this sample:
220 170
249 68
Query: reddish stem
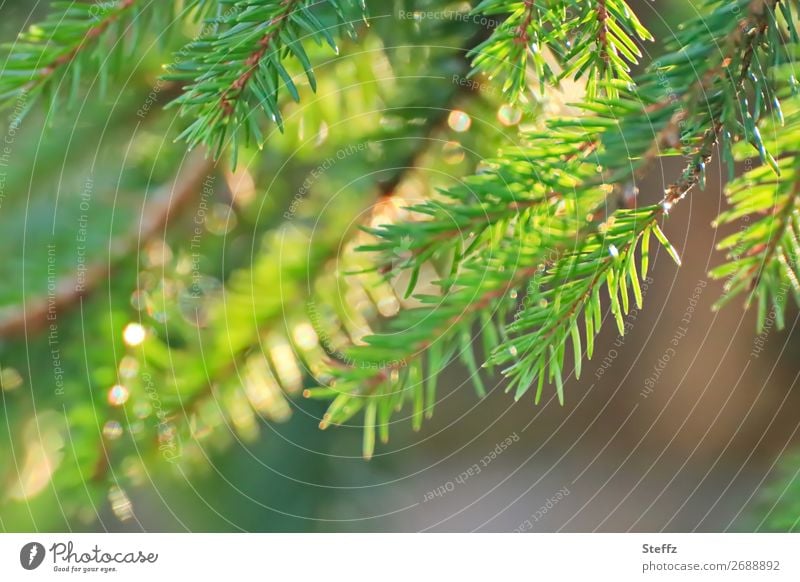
92 34
231 93
522 37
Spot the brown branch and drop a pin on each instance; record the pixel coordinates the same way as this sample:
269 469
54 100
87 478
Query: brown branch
32 315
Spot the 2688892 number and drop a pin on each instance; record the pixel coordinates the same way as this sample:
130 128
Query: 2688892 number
751 565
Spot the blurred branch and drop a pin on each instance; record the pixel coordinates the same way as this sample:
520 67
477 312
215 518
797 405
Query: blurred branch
166 204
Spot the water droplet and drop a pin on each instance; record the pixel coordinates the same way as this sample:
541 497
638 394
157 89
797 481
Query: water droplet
166 433
666 205
134 334
305 336
10 379
139 300
322 134
112 430
286 365
221 220
508 115
452 152
183 266
483 167
128 367
142 409
459 121
613 251
133 469
389 306
391 123
118 395
629 193
120 503
42 438
159 316
157 254
513 294
512 350
195 300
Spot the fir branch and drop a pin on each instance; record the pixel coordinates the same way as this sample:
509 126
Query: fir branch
262 316
459 220
265 44
763 256
482 287
578 38
516 42
571 260
243 67
57 52
548 318
608 137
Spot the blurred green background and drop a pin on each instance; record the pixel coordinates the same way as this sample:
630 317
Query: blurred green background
703 443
